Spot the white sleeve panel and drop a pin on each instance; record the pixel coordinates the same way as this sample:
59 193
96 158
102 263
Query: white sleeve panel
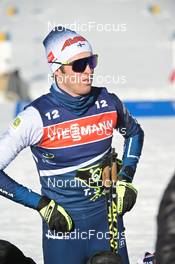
25 130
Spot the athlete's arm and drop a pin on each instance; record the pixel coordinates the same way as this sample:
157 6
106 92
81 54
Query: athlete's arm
133 135
26 130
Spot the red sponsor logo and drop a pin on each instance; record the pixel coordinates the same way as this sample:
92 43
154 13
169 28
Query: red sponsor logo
50 56
71 41
80 131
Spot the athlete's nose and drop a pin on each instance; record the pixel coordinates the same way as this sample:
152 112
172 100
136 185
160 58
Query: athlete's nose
88 69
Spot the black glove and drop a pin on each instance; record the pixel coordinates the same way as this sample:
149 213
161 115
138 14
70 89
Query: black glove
126 196
54 215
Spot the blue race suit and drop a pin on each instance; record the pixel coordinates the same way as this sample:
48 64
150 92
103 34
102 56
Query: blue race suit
75 134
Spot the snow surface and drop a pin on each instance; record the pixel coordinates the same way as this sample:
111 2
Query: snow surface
143 55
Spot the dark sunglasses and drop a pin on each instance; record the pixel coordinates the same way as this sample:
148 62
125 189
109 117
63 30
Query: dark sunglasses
81 64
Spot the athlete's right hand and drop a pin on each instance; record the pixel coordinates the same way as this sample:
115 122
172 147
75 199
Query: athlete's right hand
54 215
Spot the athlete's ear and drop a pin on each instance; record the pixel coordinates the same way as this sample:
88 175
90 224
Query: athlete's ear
62 69
57 74
59 71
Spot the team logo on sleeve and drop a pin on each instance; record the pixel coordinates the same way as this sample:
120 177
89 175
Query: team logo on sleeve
16 122
48 155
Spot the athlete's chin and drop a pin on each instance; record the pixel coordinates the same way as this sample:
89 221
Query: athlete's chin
85 88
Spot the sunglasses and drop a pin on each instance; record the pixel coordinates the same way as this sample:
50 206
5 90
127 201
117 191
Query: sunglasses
81 64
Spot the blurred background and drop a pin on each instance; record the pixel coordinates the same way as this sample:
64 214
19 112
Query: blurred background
135 40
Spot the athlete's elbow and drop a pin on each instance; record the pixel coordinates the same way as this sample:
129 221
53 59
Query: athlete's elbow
141 132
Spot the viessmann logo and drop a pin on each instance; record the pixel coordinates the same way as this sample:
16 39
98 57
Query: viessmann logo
79 131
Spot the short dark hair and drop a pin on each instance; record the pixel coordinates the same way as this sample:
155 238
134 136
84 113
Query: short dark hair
106 257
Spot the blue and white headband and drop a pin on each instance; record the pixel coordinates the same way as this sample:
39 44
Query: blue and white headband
61 44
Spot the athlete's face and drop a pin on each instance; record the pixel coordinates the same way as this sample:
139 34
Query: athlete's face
75 83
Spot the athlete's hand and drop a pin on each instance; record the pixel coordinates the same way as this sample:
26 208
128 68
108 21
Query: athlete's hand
126 196
54 215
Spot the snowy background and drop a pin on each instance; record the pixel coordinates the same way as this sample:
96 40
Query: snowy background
137 58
